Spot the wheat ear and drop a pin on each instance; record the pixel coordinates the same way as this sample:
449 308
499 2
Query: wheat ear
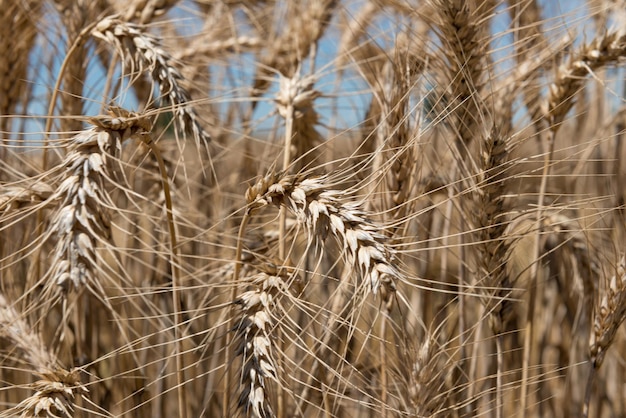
460 26
55 392
571 77
323 212
608 317
143 53
305 27
526 15
255 335
82 218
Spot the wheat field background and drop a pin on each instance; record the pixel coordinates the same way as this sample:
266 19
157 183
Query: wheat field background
323 208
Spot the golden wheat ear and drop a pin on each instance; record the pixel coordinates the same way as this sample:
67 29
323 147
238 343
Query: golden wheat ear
323 213
82 219
142 52
58 389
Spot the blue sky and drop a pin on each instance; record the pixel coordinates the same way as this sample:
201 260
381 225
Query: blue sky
342 105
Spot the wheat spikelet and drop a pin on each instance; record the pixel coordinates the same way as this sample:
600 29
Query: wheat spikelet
610 313
143 53
323 212
602 51
460 26
82 219
254 333
58 388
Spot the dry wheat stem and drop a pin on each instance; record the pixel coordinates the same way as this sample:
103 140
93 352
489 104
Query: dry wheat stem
142 52
176 285
529 326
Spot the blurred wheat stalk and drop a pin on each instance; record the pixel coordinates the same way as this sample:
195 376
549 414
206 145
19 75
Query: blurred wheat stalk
312 208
